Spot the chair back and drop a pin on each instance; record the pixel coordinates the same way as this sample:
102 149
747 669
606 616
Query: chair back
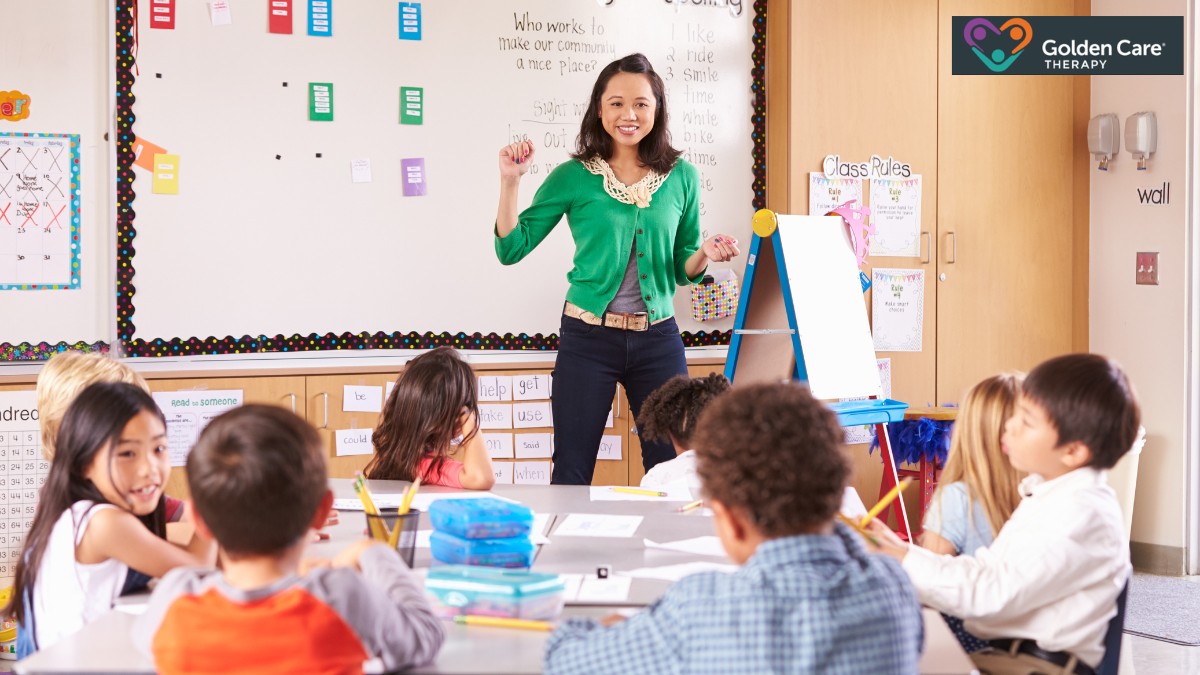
1111 662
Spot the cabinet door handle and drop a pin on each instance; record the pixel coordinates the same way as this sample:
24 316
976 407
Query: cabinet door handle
325 395
293 397
953 248
928 248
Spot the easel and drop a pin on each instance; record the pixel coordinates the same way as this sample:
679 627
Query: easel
825 271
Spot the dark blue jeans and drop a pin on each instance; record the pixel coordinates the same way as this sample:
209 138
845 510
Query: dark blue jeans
591 361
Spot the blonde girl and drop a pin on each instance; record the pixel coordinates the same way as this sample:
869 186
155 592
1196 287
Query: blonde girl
977 491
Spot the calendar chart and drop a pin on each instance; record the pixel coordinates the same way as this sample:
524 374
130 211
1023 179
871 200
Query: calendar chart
23 470
39 211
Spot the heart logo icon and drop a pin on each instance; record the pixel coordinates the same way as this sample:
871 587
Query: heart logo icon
998 60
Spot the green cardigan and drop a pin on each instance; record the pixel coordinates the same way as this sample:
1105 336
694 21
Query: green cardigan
667 234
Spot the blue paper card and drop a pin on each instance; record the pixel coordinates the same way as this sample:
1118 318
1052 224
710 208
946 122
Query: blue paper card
320 18
410 21
864 280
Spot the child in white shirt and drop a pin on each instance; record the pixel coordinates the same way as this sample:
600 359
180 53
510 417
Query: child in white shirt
670 413
1045 590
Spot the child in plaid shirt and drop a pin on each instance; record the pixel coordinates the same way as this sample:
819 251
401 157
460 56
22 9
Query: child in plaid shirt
808 597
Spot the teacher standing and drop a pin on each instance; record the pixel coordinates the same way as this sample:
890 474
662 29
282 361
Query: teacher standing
633 207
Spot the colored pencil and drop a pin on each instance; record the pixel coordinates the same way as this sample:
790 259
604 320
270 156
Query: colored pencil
638 491
501 622
688 507
883 503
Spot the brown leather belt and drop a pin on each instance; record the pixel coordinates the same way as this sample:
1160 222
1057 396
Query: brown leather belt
639 321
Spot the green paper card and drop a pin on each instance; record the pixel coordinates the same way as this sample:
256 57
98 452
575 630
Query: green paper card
412 105
320 101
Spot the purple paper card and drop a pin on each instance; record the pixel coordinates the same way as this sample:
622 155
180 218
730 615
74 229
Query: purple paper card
413 174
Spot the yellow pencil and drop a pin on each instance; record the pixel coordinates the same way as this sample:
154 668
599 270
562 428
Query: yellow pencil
472 620
688 507
377 527
858 528
883 503
394 538
637 491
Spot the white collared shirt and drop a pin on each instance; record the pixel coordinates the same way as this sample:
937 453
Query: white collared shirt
678 472
1052 575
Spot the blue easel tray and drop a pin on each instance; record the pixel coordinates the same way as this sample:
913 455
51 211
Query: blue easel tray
871 411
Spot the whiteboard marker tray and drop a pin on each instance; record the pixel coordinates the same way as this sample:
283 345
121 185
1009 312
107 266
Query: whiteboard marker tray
870 411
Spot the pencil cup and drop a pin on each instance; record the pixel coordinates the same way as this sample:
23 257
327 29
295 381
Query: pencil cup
406 542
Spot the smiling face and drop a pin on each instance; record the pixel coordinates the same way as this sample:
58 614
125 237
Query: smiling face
132 471
627 108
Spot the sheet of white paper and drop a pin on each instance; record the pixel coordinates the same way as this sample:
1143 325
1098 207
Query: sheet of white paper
588 589
188 412
503 472
896 213
606 493
531 473
134 608
830 311
596 525
532 415
496 388
898 309
531 387
852 504
499 446
495 416
610 447
707 545
360 171
608 423
354 442
422 501
677 572
362 399
388 390
220 13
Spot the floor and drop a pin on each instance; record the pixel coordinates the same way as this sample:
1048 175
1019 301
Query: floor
1143 656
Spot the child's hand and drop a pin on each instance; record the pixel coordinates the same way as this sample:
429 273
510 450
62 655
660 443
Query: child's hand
611 620
332 518
318 535
888 542
309 564
349 557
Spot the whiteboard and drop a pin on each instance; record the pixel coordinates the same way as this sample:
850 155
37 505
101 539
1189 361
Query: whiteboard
269 236
56 52
831 314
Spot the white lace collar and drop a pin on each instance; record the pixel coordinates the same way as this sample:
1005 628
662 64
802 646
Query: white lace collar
639 194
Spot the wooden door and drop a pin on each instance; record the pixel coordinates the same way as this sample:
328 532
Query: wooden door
1006 216
287 392
863 81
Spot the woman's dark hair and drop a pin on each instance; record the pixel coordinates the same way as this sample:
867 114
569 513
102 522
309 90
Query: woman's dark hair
94 421
423 414
655 149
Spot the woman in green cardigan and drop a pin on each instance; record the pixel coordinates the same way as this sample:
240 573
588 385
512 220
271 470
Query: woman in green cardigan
633 208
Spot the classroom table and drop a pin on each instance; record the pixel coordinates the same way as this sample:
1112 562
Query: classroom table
105 646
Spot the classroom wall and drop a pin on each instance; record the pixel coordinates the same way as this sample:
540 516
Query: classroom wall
1143 327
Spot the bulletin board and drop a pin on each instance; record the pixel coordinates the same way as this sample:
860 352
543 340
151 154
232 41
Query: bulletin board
297 223
56 230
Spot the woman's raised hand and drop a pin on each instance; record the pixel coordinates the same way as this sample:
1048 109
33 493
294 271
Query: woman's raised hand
515 159
721 248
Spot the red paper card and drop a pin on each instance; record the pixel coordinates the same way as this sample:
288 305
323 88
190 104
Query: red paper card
144 151
281 16
162 14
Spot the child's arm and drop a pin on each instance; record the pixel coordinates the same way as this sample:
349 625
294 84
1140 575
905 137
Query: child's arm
932 541
477 471
389 612
118 534
644 643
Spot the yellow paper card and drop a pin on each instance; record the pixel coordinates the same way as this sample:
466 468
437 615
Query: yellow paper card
166 174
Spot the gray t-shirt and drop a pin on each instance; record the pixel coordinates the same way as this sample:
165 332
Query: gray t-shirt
629 295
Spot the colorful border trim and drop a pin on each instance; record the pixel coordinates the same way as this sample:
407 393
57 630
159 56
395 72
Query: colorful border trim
73 139
44 350
126 232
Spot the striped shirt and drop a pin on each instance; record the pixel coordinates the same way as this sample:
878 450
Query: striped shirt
802 604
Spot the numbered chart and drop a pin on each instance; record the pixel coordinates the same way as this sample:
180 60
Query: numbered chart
22 473
39 211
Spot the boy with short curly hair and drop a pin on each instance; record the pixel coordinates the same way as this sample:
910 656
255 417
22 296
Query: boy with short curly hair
808 597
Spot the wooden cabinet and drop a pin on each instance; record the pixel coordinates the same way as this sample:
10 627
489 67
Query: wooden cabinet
1004 172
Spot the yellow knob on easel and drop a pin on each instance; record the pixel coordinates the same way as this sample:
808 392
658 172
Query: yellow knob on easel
764 222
